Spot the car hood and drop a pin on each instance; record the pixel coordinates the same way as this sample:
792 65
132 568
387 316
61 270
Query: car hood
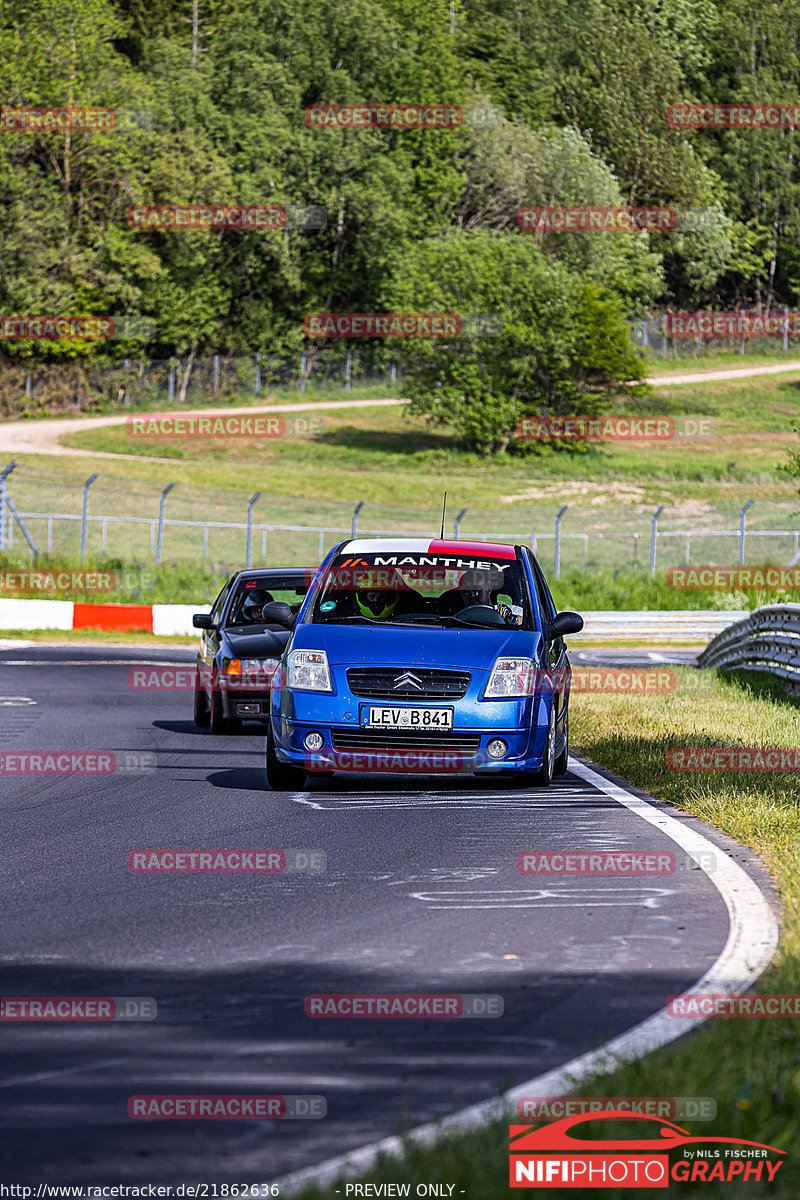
357 644
267 643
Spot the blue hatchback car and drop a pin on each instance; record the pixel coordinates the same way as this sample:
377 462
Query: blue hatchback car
418 655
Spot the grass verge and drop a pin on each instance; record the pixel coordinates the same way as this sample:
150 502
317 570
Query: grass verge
125 637
751 1067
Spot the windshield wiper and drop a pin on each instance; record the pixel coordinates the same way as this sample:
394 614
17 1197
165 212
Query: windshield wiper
344 620
415 618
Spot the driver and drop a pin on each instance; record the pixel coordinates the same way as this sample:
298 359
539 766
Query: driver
253 607
380 595
479 586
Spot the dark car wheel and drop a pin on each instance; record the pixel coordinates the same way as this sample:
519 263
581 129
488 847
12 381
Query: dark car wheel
544 776
219 722
282 777
560 766
202 716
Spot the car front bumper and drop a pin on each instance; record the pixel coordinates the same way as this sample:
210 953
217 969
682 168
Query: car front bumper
346 746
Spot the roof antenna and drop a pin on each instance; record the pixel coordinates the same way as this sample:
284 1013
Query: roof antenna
444 506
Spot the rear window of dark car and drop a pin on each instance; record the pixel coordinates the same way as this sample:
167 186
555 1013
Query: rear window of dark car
250 595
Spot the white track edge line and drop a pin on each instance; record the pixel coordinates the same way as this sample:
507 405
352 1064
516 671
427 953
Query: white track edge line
751 943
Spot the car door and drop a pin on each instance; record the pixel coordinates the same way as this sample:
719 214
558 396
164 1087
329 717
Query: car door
555 649
210 639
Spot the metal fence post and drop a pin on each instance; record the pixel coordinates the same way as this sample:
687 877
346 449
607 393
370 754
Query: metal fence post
250 506
85 513
786 329
653 536
3 486
394 374
216 372
171 382
348 370
303 373
457 523
356 511
162 504
741 531
15 516
559 515
258 374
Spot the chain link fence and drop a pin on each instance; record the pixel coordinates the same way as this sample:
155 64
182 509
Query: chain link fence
650 335
75 518
145 383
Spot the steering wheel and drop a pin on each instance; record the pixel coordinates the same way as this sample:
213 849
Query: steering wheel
481 612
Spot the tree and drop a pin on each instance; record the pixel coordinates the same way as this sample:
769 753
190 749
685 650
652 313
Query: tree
562 345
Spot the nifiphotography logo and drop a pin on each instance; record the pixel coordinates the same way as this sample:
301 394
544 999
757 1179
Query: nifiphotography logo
552 1156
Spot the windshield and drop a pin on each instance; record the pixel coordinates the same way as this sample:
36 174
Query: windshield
252 594
423 589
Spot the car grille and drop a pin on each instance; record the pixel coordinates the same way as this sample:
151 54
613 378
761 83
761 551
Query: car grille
467 744
378 683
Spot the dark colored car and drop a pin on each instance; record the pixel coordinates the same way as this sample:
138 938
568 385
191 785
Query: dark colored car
241 644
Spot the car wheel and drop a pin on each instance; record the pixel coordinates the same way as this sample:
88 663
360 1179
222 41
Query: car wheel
560 766
282 777
219 722
201 714
544 776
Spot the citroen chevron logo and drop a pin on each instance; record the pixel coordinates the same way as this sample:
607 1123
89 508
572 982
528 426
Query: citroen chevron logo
407 679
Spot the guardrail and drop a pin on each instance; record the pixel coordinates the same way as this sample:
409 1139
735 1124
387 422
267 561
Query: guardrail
655 625
767 640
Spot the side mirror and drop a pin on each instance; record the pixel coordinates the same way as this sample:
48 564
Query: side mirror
564 623
202 621
278 612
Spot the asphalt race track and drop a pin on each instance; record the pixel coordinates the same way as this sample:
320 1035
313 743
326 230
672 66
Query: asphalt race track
421 894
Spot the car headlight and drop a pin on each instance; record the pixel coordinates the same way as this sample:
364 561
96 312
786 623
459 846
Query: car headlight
251 666
511 677
308 671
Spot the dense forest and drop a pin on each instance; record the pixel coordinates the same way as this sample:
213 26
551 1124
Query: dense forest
563 103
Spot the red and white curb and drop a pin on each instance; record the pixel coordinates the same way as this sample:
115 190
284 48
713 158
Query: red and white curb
169 620
165 620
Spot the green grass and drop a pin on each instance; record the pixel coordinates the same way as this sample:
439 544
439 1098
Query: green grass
766 353
399 465
751 1067
629 589
388 456
126 582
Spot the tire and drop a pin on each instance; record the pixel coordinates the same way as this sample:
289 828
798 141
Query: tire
218 722
544 776
560 765
282 777
202 716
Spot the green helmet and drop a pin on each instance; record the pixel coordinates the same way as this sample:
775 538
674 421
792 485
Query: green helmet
372 601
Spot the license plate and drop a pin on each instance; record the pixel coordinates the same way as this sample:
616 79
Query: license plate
407 718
